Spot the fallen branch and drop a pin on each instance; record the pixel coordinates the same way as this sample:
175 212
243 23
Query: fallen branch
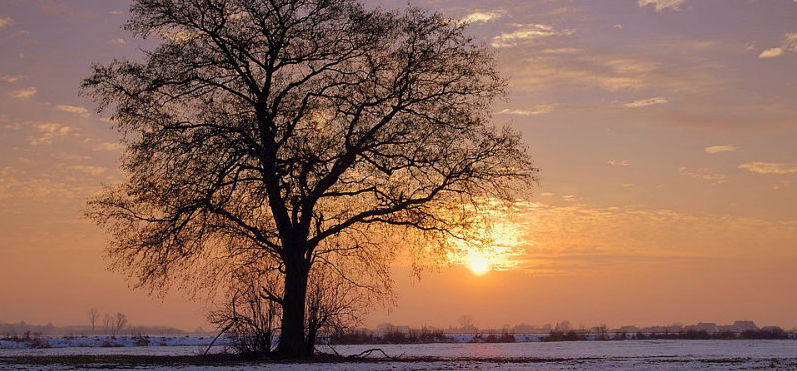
225 329
364 354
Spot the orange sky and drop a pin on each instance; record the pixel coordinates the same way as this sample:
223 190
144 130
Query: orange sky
664 129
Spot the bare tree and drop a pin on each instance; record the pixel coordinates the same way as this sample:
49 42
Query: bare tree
250 317
281 134
94 314
107 324
334 304
119 322
467 325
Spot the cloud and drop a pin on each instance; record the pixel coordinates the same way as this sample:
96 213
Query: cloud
585 236
71 157
585 69
48 131
703 174
116 12
717 149
769 168
116 42
662 4
789 43
73 109
180 36
771 53
647 102
536 110
10 78
562 51
621 163
91 170
617 27
6 22
23 93
526 33
46 188
52 8
477 17
109 146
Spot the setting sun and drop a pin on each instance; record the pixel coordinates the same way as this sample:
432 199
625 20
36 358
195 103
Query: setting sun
477 263
497 246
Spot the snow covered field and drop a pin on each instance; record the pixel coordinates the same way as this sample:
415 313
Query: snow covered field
642 354
110 342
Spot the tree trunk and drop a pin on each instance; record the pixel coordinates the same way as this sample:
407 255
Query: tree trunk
292 341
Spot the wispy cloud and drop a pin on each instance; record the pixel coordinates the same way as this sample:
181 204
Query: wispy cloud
585 236
478 17
91 170
116 12
789 43
647 102
24 93
48 131
769 168
662 4
536 110
621 163
82 111
71 156
585 68
177 36
562 51
771 53
108 146
718 149
704 174
6 22
526 33
116 41
10 78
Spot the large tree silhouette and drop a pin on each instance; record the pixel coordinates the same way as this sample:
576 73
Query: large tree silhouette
283 134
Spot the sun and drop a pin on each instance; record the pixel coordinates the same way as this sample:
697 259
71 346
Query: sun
478 263
497 245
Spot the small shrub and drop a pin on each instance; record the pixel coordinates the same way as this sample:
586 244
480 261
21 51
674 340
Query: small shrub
563 336
110 344
141 341
39 343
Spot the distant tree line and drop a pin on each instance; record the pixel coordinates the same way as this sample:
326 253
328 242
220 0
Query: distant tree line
105 324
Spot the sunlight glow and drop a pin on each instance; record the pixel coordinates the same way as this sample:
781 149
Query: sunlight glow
498 247
477 263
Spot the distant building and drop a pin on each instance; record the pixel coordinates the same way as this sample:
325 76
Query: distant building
739 327
628 329
403 329
742 326
708 327
386 328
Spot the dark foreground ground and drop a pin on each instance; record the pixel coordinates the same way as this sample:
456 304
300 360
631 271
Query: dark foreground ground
329 362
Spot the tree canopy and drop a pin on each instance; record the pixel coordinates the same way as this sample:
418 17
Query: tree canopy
279 135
